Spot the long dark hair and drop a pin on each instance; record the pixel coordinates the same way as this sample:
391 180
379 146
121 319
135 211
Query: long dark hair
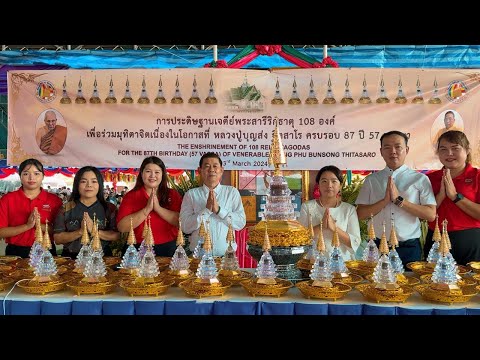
75 195
162 191
333 169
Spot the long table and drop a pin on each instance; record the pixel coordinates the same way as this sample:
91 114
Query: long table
236 301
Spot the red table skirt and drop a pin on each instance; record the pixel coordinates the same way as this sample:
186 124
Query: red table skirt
245 260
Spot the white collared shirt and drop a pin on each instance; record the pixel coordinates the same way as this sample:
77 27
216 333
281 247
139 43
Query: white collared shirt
193 208
412 185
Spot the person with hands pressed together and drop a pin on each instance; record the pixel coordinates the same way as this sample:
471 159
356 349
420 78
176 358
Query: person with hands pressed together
399 193
86 202
457 190
151 197
19 209
214 202
333 213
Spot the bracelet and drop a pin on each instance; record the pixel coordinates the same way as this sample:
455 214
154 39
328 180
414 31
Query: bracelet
218 210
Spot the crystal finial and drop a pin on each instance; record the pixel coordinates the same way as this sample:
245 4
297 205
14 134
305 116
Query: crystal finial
211 99
294 98
364 99
329 98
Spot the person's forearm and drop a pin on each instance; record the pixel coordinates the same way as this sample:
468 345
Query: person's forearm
109 235
365 211
168 215
138 217
426 212
439 198
469 207
13 230
67 236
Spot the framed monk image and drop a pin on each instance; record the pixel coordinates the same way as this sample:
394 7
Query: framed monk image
447 120
51 132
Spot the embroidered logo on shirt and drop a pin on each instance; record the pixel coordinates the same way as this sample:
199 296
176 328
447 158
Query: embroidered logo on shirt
468 180
46 207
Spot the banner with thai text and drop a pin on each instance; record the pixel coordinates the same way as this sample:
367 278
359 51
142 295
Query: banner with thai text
115 118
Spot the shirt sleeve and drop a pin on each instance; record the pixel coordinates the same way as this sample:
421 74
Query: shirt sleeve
426 192
303 219
363 197
125 207
189 219
176 200
353 228
59 225
239 219
3 212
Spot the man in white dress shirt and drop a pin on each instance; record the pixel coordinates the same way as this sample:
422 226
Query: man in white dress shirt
217 203
399 193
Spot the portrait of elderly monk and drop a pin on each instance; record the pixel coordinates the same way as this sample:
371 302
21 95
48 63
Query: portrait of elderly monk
51 137
450 124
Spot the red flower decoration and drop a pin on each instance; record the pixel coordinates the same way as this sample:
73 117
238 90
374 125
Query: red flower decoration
316 64
216 64
316 192
268 49
327 62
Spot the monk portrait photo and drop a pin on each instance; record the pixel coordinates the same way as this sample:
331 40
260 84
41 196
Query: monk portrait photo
446 121
51 135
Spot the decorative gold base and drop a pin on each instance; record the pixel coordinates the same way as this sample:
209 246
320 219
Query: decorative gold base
435 101
143 100
423 268
329 101
211 100
160 100
80 100
177 100
194 100
305 264
65 100
128 272
80 286
350 279
382 100
401 279
401 100
6 283
159 286
34 286
195 287
127 100
194 263
178 276
6 268
360 267
364 100
450 296
311 101
280 232
347 100
417 100
294 101
8 259
473 265
235 277
337 291
95 100
399 294
462 282
277 102
256 289
111 260
111 100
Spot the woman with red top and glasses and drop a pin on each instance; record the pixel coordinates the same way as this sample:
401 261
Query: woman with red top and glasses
151 197
457 192
18 210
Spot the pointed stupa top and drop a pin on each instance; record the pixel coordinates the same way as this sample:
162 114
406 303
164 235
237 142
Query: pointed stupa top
383 242
371 229
321 240
149 239
145 229
449 244
310 226
96 244
230 236
335 239
443 249
85 239
277 154
64 83
180 239
201 232
47 244
80 83
94 228
393 236
131 234
435 99
437 236
207 245
38 229
266 239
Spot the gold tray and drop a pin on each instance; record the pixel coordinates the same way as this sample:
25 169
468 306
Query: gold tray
398 295
194 263
255 289
401 280
445 296
462 282
156 288
424 268
337 291
82 287
473 265
178 278
7 259
351 279
194 287
360 267
304 264
111 260
6 268
35 287
6 283
235 279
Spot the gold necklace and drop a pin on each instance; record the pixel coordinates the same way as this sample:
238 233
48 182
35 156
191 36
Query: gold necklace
321 204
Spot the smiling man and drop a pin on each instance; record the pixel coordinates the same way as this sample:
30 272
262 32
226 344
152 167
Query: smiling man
219 204
51 137
397 193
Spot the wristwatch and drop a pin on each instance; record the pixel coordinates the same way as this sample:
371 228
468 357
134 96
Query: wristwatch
399 201
458 197
218 210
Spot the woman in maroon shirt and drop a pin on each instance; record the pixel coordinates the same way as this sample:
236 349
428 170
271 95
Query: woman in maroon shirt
457 192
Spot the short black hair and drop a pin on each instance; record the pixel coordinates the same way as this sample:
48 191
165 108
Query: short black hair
33 162
210 155
394 132
333 169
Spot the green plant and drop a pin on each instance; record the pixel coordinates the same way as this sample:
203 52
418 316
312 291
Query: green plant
183 183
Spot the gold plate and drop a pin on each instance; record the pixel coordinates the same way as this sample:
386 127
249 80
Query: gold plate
156 288
446 296
351 279
337 291
111 260
360 267
401 280
6 283
424 268
235 279
400 294
9 259
82 287
36 287
473 265
5 268
304 264
194 287
427 279
178 278
255 289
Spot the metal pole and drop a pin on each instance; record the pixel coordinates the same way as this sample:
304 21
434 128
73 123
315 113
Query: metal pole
215 53
325 51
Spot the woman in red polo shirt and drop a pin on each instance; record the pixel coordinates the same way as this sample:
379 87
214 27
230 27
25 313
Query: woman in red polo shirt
18 209
457 191
151 197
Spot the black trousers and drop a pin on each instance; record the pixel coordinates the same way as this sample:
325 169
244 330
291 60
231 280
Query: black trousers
165 249
408 250
465 245
107 251
24 251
